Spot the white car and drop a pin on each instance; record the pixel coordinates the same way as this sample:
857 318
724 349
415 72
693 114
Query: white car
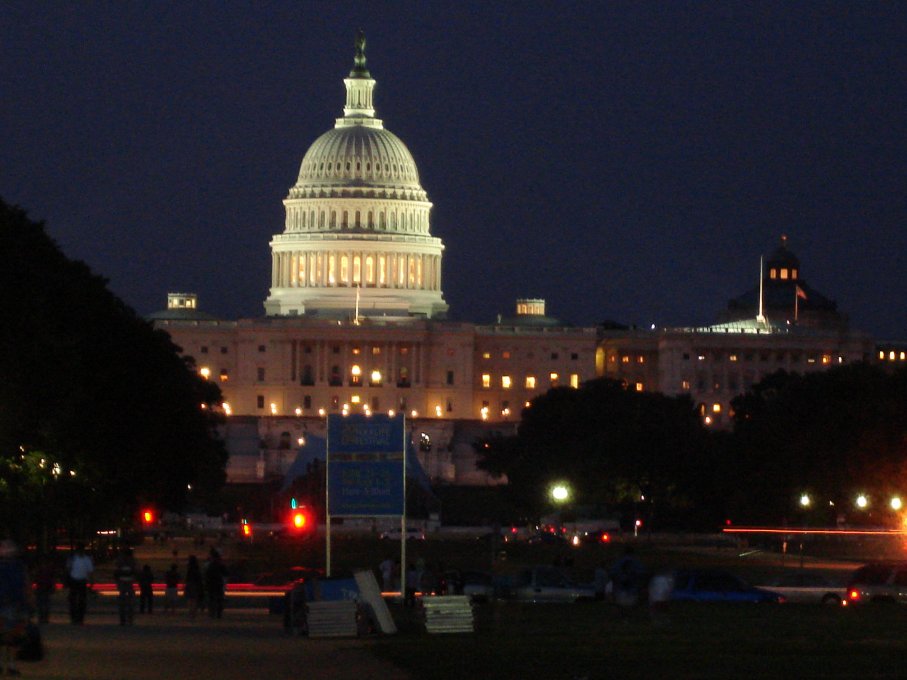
807 586
548 584
394 534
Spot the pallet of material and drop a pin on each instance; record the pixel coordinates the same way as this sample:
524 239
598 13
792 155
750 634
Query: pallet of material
448 614
332 619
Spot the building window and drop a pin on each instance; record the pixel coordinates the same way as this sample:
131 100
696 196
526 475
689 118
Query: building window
335 349
376 351
505 355
204 349
685 385
307 349
574 380
335 403
336 379
403 380
640 387
261 374
223 350
224 375
732 357
376 404
555 356
357 351
553 379
574 356
506 382
486 380
486 355
640 359
404 350
307 401
530 382
307 377
260 401
450 377
261 348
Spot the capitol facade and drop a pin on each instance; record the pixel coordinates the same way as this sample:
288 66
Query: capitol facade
355 320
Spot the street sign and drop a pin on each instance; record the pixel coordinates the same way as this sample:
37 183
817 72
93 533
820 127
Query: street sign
365 465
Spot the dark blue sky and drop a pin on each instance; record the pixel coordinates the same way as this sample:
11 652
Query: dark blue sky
623 160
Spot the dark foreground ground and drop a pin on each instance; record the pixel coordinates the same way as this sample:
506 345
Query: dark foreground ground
247 644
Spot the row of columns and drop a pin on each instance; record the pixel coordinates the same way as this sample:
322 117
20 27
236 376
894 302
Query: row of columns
332 269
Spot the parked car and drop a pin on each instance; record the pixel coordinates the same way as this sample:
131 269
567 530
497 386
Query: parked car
478 585
715 585
394 534
807 586
878 582
548 584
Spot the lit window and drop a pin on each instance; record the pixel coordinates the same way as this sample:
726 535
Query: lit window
640 359
486 355
438 411
505 382
376 377
612 359
640 387
625 359
784 273
205 372
891 356
826 359
553 378
356 370
355 399
716 408
701 357
486 380
685 385
356 350
530 382
376 350
773 274
224 375
527 404
903 355
732 357
574 380
505 355
273 409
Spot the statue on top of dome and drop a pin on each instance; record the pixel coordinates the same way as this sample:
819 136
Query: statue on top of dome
359 60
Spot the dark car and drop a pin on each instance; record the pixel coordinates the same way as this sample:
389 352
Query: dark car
881 582
715 585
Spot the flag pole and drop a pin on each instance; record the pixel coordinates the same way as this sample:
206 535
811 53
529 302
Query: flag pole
760 318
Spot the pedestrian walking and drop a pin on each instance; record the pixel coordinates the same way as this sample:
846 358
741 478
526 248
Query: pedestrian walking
125 576
79 572
14 595
146 590
215 584
194 587
45 580
171 588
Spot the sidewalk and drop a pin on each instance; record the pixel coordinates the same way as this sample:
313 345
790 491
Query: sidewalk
246 644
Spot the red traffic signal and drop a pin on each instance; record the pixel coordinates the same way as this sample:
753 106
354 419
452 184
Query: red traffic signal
301 520
147 516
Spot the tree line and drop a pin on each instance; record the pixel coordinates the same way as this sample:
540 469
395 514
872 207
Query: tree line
828 436
99 414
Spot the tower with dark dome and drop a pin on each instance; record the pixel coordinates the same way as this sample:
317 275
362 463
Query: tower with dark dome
787 299
357 238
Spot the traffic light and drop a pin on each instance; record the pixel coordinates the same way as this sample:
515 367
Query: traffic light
301 521
147 517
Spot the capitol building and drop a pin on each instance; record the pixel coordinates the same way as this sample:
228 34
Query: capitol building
355 321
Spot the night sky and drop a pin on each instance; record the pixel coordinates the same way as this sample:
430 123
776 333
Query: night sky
627 161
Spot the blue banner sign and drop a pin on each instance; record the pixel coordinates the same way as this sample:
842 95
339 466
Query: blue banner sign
365 465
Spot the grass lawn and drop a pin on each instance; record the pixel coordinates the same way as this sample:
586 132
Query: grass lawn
515 640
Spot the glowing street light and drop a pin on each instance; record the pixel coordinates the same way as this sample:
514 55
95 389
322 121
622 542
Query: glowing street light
862 501
560 493
896 503
805 500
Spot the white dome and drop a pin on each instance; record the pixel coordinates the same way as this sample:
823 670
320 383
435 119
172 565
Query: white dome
358 157
357 238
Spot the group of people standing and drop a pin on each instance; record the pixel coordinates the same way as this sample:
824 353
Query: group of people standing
197 583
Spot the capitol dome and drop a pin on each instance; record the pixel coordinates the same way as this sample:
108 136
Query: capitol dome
357 238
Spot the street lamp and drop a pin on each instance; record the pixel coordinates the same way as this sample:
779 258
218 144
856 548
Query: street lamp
862 501
896 503
560 494
805 500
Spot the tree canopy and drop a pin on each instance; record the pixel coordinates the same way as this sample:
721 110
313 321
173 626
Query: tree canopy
612 445
98 412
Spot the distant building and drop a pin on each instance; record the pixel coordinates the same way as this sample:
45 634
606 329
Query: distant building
356 321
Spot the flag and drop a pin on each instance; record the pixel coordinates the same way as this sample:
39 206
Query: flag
801 293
